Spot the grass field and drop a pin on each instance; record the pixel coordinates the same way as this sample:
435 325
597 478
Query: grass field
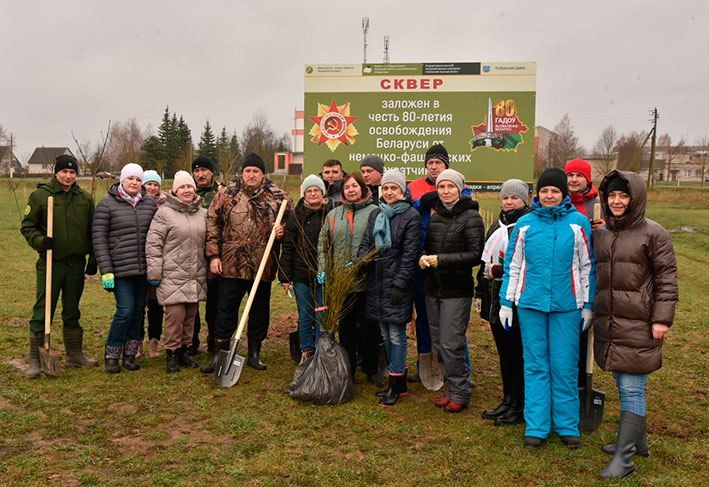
148 428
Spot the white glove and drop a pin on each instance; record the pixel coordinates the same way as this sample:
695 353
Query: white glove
586 319
506 317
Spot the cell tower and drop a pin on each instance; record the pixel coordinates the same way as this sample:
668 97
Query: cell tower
365 28
386 49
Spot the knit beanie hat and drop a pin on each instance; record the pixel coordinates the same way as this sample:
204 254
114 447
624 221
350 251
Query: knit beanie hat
395 176
182 178
437 151
453 176
617 184
151 176
375 162
253 160
65 161
204 162
580 166
131 169
311 181
553 177
515 187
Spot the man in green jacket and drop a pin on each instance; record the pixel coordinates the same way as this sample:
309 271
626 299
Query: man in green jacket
71 243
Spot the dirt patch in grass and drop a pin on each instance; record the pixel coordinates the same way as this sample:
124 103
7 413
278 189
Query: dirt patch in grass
18 363
16 322
64 479
282 325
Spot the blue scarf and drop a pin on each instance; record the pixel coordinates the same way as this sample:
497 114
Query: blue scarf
382 225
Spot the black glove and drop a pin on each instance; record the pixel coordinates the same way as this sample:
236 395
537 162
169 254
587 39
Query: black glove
397 295
429 199
91 268
48 243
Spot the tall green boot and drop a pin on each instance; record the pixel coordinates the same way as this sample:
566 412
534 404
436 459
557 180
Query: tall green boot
73 343
36 340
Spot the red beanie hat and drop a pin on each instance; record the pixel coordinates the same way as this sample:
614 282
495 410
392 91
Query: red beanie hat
579 165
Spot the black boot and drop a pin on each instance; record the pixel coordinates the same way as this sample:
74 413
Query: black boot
397 384
172 363
129 363
211 366
34 370
254 360
499 410
513 415
74 343
111 356
631 429
184 359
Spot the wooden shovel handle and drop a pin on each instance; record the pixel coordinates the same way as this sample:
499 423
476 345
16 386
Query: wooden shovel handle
261 267
48 275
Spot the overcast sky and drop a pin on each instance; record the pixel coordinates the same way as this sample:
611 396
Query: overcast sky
77 64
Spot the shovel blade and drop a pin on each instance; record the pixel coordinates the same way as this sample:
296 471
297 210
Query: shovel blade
50 362
592 409
430 371
294 346
228 369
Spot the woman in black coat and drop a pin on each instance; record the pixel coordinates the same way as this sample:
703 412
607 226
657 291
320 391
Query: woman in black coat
394 232
454 245
514 194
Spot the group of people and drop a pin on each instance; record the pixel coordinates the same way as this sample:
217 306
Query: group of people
544 278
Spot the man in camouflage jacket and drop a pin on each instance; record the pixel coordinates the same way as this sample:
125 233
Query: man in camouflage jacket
239 222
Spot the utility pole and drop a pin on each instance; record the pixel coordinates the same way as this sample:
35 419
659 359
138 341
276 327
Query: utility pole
386 49
650 179
365 28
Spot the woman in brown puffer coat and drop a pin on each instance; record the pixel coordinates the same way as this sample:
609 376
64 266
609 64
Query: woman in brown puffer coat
636 293
177 266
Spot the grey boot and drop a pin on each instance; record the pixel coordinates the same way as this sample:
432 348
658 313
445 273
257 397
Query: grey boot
34 370
641 447
74 342
631 429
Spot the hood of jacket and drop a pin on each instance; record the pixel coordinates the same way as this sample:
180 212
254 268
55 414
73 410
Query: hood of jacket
638 200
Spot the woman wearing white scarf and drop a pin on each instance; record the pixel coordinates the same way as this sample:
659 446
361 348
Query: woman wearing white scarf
514 194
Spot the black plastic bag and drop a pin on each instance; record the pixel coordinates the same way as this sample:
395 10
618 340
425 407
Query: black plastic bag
325 377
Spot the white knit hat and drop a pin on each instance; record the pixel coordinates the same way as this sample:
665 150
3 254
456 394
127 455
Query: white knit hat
453 176
131 169
182 178
394 176
311 181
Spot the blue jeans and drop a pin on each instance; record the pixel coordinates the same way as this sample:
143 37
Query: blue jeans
394 337
127 324
631 389
306 299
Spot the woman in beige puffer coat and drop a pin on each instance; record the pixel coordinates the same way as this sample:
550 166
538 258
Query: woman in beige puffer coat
177 266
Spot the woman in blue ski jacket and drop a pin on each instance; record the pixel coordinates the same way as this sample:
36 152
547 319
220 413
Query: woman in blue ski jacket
549 275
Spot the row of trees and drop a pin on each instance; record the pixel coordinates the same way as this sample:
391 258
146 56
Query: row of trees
172 147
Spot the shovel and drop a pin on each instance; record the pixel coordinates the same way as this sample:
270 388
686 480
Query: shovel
591 400
430 372
48 358
229 364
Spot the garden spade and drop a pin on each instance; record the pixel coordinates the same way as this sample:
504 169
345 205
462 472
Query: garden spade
430 371
48 358
229 364
591 400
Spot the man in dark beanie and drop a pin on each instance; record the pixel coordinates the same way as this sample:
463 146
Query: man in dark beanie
239 222
372 168
70 244
203 174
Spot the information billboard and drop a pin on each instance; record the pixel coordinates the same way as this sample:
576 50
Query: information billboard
482 112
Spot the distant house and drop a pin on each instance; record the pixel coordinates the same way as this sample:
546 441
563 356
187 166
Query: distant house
43 158
9 163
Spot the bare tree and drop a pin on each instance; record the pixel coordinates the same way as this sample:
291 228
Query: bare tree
125 144
93 161
604 149
702 144
629 149
564 144
3 135
260 138
672 152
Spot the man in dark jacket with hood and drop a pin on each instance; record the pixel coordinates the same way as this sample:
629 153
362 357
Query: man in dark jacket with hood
71 243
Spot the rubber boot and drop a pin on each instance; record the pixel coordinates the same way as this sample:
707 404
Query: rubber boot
129 363
220 345
254 360
513 415
391 396
499 410
641 447
34 369
153 348
184 359
172 364
74 343
631 429
111 355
